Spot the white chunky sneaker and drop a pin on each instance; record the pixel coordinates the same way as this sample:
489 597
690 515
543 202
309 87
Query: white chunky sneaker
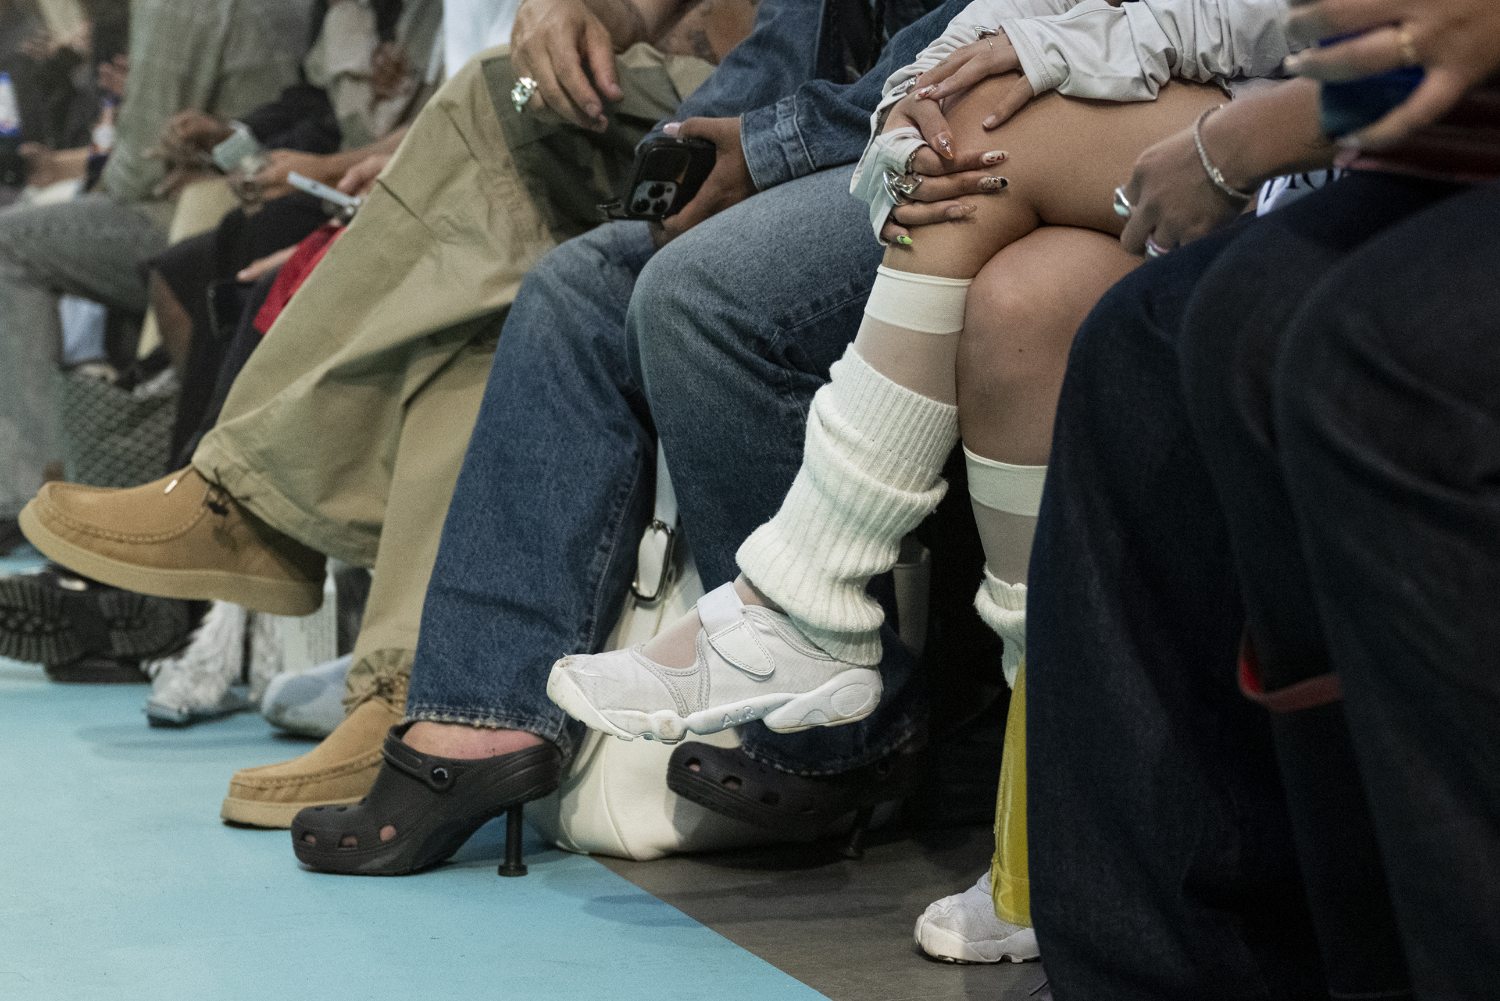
964 928
752 663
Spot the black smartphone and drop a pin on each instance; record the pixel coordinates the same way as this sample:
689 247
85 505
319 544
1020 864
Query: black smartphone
666 176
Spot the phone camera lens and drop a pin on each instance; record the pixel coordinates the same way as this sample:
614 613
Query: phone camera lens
660 206
656 191
641 206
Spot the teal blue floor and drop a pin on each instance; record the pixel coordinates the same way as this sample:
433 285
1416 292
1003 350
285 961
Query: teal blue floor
118 882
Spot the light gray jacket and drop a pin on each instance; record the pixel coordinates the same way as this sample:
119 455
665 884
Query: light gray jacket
1089 49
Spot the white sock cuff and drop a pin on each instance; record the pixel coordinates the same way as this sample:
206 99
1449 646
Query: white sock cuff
924 303
1002 606
1001 486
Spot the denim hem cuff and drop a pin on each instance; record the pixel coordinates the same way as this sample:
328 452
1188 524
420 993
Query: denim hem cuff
553 730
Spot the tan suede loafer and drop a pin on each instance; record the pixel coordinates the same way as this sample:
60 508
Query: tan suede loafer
179 537
340 770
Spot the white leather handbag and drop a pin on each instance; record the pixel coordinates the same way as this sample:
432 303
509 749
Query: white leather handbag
614 798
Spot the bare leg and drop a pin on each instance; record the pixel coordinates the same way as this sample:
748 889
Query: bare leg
1026 305
880 432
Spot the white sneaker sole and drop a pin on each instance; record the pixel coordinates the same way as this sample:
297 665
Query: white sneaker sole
848 697
947 946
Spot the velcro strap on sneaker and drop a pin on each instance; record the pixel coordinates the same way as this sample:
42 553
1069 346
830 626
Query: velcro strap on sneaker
730 634
1312 693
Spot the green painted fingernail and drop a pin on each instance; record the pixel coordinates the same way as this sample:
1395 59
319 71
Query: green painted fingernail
905 241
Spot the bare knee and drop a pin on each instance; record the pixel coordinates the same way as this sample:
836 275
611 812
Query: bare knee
1009 346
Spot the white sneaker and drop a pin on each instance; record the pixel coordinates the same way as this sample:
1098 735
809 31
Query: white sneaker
752 664
963 928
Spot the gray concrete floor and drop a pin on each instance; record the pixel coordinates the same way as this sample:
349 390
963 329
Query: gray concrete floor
842 927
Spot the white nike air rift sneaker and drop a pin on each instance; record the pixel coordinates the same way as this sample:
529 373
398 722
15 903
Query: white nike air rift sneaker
964 928
752 664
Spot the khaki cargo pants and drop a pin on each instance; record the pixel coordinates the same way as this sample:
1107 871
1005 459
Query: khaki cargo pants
347 428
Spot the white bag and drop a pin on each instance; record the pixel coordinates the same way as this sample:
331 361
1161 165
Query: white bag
614 798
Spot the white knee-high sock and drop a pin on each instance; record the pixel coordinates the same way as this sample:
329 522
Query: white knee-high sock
1006 500
871 466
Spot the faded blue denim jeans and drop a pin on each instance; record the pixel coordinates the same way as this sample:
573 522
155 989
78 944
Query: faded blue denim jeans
736 324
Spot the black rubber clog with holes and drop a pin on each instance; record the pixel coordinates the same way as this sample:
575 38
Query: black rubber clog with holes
421 810
727 781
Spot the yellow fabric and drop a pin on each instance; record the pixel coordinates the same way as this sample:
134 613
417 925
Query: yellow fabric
1009 873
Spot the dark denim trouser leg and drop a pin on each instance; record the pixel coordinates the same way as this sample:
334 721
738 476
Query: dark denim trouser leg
736 324
1387 407
1162 864
1233 345
540 542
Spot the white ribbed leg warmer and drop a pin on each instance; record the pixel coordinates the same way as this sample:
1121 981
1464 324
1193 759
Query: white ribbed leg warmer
1006 499
870 471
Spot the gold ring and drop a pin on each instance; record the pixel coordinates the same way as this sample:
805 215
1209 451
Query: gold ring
1409 54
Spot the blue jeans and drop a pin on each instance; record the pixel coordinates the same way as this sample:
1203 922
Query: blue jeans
539 546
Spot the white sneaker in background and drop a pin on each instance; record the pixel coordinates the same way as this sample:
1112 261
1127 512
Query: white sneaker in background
309 704
752 663
964 928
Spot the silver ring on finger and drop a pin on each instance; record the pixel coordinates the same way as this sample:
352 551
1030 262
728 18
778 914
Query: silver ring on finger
521 93
897 186
1123 208
1154 249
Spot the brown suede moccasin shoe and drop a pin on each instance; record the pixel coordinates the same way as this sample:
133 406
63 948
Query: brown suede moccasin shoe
179 537
340 770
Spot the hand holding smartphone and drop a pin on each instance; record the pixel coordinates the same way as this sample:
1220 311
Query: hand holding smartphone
667 174
346 205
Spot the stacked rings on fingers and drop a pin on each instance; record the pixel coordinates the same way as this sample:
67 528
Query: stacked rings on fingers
901 187
1123 207
521 93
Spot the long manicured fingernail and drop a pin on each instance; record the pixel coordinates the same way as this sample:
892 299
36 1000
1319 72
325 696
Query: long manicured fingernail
991 121
994 156
1292 63
993 183
672 128
945 145
927 91
904 240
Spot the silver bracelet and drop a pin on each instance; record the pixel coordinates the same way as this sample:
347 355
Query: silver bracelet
1215 175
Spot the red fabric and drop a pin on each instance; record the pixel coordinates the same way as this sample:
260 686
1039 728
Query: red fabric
294 272
1310 694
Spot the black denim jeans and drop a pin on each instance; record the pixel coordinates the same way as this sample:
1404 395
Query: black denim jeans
1340 361
1342 372
1162 861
